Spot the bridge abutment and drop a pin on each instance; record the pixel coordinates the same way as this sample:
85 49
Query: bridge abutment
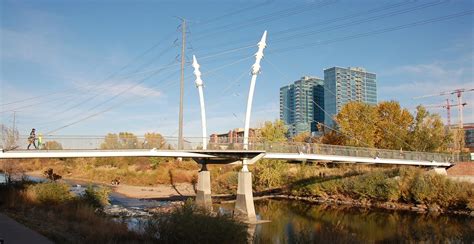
203 189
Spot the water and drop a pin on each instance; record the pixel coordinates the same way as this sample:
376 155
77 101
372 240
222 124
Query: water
299 222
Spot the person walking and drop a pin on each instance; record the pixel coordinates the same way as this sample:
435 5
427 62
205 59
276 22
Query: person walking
32 139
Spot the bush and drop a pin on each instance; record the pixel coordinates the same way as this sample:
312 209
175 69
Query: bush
49 192
270 173
377 185
97 197
190 224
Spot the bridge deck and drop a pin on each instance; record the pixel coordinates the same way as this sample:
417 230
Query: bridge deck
214 156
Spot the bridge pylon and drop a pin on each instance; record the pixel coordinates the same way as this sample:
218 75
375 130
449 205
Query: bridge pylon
203 189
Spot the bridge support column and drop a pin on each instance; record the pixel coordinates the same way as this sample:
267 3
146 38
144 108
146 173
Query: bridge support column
203 194
244 205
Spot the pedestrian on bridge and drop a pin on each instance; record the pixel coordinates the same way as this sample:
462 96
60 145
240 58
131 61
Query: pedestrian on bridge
40 140
32 139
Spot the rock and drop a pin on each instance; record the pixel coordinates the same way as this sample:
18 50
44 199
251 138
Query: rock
472 213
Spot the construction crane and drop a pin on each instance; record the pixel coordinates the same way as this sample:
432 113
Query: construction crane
460 105
448 107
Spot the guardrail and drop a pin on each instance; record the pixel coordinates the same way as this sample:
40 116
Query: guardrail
195 143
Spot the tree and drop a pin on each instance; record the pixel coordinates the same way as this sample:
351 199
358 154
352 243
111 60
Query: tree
124 140
154 140
273 132
52 145
428 133
392 126
330 136
357 122
110 142
305 137
9 137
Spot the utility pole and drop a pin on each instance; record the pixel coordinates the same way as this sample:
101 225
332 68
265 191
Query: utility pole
461 122
181 90
14 122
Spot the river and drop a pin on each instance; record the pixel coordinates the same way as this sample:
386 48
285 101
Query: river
301 222
294 221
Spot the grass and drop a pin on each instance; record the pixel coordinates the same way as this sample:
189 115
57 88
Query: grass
63 218
191 224
50 209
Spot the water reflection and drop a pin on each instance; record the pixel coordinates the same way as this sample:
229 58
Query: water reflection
298 222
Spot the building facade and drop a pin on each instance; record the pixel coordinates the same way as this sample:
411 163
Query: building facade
343 85
302 104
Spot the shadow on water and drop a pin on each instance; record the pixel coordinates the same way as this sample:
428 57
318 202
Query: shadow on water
299 222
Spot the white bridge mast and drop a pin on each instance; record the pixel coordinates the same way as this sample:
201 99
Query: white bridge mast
255 72
199 85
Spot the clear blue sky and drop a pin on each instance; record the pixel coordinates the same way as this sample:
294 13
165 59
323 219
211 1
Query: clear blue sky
75 52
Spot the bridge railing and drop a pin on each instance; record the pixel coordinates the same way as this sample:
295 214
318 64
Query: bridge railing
195 143
324 149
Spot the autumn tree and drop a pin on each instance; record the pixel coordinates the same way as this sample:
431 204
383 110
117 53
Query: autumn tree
357 122
52 145
124 140
154 140
273 131
428 133
305 137
392 125
330 136
388 126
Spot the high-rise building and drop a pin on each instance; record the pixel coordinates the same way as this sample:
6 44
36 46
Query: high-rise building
301 104
343 85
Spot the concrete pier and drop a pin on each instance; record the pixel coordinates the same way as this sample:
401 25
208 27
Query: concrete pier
244 204
203 194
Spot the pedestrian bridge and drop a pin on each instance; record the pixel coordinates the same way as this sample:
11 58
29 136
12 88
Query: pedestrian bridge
223 153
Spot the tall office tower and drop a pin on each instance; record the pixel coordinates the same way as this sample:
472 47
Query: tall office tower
343 85
301 104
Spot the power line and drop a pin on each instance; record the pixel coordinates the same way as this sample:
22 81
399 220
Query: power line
373 18
252 7
117 105
374 32
265 18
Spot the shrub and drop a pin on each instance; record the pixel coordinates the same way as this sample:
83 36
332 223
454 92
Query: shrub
97 197
270 173
49 192
190 224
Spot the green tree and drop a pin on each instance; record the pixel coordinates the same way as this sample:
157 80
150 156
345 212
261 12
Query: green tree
357 122
428 133
392 125
154 140
273 131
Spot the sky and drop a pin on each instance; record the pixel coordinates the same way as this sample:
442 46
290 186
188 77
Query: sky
96 67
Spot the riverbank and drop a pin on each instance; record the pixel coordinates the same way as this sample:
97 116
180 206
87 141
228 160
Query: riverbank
392 189
161 191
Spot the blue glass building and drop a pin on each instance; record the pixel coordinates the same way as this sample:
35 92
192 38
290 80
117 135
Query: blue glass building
343 85
301 105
